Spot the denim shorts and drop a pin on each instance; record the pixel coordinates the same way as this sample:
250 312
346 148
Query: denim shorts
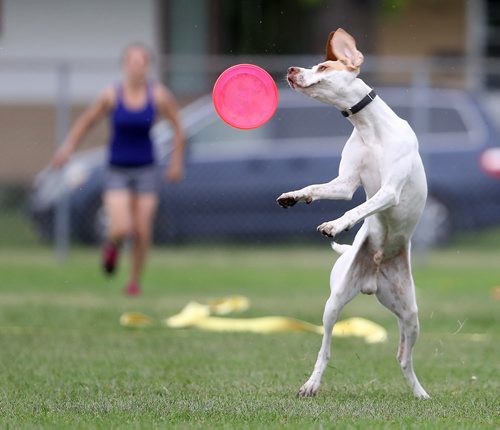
142 179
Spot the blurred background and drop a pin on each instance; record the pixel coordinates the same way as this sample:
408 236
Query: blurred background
436 62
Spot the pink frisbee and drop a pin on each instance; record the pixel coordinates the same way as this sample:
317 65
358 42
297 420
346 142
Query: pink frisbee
245 96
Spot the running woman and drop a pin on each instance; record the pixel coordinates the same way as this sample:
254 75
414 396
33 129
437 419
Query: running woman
131 185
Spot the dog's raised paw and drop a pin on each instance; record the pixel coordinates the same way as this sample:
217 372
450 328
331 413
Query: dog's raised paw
286 202
287 199
326 229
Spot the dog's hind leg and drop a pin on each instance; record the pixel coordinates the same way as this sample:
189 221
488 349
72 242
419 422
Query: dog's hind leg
396 291
342 291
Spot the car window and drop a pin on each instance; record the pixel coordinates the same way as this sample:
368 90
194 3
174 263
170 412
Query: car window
438 119
219 139
219 131
440 128
444 120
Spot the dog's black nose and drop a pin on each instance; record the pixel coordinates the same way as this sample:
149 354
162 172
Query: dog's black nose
293 70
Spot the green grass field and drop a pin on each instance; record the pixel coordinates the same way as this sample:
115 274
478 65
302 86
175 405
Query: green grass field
65 362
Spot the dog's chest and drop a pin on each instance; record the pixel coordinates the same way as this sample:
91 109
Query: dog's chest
371 170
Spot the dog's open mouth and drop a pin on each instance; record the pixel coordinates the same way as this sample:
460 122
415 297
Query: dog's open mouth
291 82
296 85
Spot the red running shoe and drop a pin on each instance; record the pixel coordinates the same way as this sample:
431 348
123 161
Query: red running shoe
132 289
109 257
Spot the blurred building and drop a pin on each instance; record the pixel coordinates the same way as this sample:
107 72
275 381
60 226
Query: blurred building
59 51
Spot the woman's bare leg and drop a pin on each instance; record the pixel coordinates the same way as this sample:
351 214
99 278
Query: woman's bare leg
118 205
143 211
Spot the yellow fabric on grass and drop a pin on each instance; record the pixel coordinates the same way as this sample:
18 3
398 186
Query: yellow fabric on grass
200 316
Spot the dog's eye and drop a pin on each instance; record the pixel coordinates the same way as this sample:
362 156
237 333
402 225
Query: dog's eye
321 68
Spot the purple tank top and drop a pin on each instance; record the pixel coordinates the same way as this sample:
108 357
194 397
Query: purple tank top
130 143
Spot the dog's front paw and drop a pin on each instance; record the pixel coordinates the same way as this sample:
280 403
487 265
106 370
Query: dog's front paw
332 228
328 229
309 389
289 199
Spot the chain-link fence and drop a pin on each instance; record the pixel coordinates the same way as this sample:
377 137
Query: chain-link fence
233 177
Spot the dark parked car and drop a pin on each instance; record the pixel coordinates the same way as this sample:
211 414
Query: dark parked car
234 176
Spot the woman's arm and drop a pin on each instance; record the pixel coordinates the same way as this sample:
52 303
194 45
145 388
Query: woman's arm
82 125
168 109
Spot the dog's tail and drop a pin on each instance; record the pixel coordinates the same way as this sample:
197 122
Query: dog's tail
339 248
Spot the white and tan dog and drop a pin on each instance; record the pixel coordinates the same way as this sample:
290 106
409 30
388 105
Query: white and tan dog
382 156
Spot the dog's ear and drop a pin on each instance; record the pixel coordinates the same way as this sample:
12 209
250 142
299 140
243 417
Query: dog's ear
342 46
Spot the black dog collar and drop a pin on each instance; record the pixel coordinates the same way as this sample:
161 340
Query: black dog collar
365 101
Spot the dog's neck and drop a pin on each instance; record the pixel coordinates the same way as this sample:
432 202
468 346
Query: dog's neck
374 118
351 94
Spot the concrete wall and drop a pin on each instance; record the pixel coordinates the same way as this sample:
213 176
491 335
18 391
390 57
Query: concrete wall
28 140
